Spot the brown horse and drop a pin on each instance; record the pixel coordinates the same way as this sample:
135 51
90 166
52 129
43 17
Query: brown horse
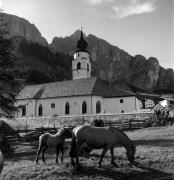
57 140
100 137
1 161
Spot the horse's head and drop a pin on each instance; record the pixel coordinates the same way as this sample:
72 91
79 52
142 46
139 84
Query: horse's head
131 154
66 132
98 123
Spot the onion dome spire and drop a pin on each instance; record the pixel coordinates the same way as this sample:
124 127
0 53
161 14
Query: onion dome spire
81 43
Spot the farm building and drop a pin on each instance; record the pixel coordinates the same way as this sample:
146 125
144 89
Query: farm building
81 95
168 101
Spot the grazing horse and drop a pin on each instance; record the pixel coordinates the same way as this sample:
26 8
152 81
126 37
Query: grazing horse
57 140
1 161
100 137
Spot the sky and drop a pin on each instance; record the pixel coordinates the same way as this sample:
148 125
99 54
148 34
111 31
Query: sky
143 27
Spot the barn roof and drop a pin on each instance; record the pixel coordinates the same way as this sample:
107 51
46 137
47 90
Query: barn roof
78 87
142 96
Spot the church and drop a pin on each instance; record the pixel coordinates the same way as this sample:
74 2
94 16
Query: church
83 95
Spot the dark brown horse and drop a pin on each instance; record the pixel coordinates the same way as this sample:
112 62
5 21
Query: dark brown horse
100 137
56 141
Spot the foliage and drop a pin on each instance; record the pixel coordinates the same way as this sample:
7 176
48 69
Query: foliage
59 63
9 84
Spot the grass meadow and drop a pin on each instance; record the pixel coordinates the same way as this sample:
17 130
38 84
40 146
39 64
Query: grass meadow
154 157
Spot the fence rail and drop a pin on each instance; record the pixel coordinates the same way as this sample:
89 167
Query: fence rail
56 122
33 134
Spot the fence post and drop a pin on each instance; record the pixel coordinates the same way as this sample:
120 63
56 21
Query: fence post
26 127
144 123
130 125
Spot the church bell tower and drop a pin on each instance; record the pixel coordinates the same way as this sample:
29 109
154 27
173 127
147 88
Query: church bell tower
81 66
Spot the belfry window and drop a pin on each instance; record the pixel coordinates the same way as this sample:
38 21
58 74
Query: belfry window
40 110
67 108
84 107
98 107
78 65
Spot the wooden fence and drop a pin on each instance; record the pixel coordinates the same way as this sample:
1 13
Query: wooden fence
33 134
74 120
130 124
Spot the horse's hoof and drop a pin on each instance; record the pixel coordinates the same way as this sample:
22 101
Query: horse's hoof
36 161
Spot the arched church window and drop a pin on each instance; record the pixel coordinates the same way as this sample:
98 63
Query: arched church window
40 110
98 107
78 65
84 107
23 110
67 108
88 67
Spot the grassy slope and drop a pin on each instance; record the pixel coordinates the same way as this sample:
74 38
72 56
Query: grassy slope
155 156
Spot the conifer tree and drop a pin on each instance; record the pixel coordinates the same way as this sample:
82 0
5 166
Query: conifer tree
9 85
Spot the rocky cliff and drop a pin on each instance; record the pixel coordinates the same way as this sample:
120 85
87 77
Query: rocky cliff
21 27
113 63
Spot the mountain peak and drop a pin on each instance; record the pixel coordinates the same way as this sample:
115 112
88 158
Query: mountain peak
21 27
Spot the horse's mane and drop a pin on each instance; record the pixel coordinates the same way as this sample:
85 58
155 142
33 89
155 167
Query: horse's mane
132 145
60 131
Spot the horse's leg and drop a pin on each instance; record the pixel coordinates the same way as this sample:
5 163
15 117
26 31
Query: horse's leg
78 149
102 155
112 156
43 150
57 153
72 152
61 148
38 152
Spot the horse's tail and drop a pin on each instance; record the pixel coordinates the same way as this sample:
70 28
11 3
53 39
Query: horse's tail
73 146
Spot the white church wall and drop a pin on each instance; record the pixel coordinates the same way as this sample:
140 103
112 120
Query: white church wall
108 105
74 102
138 104
120 105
